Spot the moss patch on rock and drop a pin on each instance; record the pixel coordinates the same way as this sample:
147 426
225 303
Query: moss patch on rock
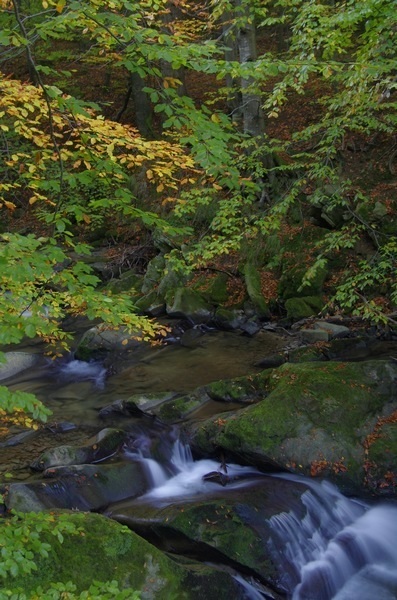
314 417
103 550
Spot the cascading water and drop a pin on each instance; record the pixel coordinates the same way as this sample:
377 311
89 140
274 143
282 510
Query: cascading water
335 548
183 476
341 549
80 370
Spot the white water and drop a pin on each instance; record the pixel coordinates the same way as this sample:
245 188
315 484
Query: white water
79 370
341 549
184 476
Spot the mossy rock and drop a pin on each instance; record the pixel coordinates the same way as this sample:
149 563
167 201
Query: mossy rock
128 281
154 273
104 550
247 389
253 285
381 466
187 303
302 308
180 408
232 527
294 262
314 417
151 304
291 281
213 289
229 319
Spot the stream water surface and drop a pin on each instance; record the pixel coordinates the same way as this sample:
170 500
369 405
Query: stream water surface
339 548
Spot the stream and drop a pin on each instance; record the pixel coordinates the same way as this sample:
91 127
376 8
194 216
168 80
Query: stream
325 545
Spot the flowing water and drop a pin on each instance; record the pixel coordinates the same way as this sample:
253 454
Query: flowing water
341 549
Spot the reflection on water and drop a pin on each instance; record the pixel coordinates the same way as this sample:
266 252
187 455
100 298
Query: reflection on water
75 390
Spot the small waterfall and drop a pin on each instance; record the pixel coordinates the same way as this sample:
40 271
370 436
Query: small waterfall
328 547
156 475
182 476
339 550
80 370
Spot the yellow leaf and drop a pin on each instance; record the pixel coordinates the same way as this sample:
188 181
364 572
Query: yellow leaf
149 174
60 6
160 188
33 199
86 219
215 118
124 342
9 205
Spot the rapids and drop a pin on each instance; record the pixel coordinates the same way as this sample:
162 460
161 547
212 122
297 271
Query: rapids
341 549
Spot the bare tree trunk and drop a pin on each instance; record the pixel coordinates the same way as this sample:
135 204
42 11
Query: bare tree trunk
253 116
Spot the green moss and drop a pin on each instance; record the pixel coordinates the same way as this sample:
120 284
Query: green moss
178 408
382 451
103 550
242 389
218 524
319 411
301 308
253 285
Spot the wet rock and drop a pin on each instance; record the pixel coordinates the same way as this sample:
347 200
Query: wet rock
229 319
19 438
81 487
61 427
16 362
232 528
101 446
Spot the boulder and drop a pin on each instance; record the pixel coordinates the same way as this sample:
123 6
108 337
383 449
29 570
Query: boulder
316 418
95 548
188 304
103 445
16 362
303 307
253 285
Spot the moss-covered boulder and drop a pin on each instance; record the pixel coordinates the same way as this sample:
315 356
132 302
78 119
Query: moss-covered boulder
315 418
299 244
98 548
302 308
253 284
127 282
187 303
232 528
102 339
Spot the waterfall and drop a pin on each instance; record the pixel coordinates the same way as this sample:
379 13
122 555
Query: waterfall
341 549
